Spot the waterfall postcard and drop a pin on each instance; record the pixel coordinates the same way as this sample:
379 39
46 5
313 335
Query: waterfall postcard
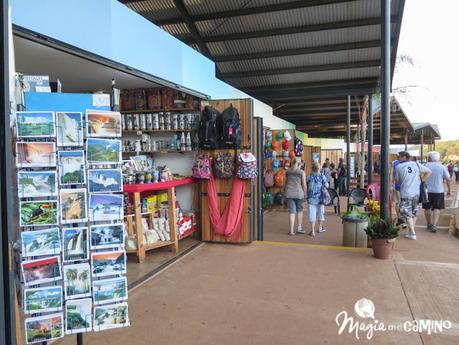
69 129
75 244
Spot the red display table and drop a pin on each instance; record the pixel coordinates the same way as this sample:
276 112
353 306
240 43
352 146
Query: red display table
136 218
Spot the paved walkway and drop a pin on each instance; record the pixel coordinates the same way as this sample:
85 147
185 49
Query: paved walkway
290 293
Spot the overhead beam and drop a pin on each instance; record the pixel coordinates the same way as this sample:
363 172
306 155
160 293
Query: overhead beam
289 30
316 112
248 10
303 69
192 28
298 51
313 84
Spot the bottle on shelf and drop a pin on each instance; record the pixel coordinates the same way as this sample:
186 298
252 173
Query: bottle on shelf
167 121
161 121
188 141
182 142
149 121
155 121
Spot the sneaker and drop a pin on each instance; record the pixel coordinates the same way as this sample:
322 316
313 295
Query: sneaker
300 231
400 221
410 236
322 230
433 228
429 227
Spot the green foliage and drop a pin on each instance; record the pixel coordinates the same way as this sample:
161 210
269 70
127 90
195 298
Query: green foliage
381 228
355 214
446 148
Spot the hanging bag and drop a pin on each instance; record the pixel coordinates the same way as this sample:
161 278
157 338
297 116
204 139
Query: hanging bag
423 191
229 125
207 132
202 167
247 168
279 177
325 198
269 179
224 165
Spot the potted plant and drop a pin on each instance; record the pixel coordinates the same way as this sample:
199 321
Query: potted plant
383 234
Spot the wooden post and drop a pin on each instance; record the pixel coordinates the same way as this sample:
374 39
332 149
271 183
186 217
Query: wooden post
138 227
172 217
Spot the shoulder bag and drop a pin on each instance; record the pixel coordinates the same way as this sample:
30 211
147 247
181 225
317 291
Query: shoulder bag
423 191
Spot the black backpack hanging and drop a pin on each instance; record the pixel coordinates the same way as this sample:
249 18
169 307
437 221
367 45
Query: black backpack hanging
207 132
230 126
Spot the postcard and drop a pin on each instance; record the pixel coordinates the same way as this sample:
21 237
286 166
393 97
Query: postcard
43 299
108 263
32 184
107 236
41 271
111 316
75 244
78 316
77 281
41 242
35 155
105 124
71 167
73 205
69 129
109 290
105 180
103 151
105 207
34 213
35 124
44 328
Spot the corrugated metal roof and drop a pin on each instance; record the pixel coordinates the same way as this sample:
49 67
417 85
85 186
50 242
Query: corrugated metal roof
301 60
158 9
199 7
304 77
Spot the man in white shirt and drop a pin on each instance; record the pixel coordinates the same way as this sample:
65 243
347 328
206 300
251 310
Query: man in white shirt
409 175
435 186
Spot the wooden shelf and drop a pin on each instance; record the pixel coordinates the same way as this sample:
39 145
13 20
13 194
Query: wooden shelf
163 152
140 131
145 187
129 215
158 244
158 110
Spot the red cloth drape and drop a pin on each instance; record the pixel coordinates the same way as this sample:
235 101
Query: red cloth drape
228 224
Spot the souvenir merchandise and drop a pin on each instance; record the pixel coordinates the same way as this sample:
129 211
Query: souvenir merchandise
103 151
298 147
292 154
105 207
109 290
279 178
35 154
35 213
77 281
202 167
32 184
287 136
42 329
73 205
269 178
105 124
105 180
69 129
35 124
43 299
286 154
269 199
279 135
224 165
41 271
78 316
108 263
75 244
279 198
247 167
107 236
230 125
275 164
274 154
40 242
285 145
269 135
71 167
111 316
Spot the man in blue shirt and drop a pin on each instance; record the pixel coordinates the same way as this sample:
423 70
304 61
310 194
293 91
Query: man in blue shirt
435 186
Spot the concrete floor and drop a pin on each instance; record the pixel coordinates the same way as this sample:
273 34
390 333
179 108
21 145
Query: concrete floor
282 292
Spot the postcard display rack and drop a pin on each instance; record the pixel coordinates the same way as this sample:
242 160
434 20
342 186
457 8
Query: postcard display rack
73 260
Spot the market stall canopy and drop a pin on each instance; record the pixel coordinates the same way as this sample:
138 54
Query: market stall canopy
429 131
303 57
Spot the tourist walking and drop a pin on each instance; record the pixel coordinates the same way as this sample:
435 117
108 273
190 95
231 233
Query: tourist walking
456 171
316 182
395 186
326 171
450 169
410 174
435 186
334 175
342 172
295 191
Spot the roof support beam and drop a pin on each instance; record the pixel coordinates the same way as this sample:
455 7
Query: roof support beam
192 28
289 30
315 84
304 69
250 10
299 51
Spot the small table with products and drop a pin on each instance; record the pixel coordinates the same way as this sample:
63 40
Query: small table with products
151 224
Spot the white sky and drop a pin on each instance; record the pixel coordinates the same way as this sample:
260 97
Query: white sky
430 36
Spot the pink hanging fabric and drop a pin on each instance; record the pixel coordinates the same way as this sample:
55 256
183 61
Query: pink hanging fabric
228 224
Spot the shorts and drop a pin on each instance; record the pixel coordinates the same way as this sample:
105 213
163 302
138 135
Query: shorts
294 205
409 207
396 196
436 202
313 210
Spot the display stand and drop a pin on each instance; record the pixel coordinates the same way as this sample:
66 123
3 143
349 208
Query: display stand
134 221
